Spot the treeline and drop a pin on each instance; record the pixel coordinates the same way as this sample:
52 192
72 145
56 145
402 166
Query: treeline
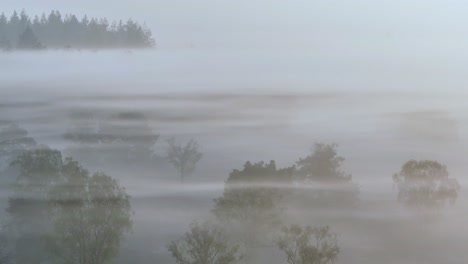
20 31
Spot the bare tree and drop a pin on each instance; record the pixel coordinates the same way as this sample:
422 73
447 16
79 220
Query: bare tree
184 158
204 244
308 245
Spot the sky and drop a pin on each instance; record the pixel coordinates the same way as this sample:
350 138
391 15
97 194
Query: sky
279 23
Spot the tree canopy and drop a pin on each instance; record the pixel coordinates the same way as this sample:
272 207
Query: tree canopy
14 140
84 217
67 31
323 165
425 184
251 195
308 245
252 203
323 179
90 215
204 243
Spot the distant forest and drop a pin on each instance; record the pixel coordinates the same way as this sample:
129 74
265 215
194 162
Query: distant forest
20 31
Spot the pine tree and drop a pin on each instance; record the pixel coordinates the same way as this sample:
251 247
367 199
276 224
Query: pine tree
57 30
3 23
24 20
5 44
28 41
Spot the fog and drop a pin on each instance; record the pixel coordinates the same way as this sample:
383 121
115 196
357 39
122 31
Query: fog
253 81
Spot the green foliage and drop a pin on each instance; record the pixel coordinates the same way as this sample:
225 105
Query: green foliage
322 180
262 174
255 193
323 165
90 216
83 217
425 184
14 140
184 158
39 170
252 202
308 245
204 244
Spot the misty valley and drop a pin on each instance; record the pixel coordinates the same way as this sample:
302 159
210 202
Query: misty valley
241 151
105 187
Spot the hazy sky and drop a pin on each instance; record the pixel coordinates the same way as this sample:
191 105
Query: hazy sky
278 23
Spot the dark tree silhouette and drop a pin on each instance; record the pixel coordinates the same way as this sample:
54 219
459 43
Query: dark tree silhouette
324 181
425 184
308 245
3 24
323 165
251 203
204 243
28 41
58 31
5 44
